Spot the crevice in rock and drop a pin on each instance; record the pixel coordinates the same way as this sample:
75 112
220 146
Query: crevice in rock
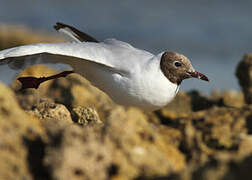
113 170
35 156
249 124
167 121
200 102
170 177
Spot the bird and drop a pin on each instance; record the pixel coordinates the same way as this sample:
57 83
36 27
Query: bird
128 75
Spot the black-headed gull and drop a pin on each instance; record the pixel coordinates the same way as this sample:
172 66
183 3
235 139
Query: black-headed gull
130 76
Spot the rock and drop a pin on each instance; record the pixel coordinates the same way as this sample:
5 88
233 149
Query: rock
224 167
211 139
170 135
221 128
228 98
75 91
215 143
48 110
127 146
179 107
201 102
239 169
138 148
184 104
86 116
78 153
21 140
245 146
244 75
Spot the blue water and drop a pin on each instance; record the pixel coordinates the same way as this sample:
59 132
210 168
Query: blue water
213 34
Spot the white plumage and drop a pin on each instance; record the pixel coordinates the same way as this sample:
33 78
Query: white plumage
130 76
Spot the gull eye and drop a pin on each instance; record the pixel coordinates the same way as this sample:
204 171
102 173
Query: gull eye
177 64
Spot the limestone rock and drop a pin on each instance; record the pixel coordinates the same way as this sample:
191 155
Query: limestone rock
179 107
138 147
48 110
20 137
245 146
78 153
76 91
228 98
86 116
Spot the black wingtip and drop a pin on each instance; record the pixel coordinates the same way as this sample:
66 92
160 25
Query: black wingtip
83 37
58 26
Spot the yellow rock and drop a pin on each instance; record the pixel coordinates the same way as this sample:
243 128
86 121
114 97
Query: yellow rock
17 132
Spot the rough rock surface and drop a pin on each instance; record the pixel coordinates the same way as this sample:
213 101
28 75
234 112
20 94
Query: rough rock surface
86 116
77 153
19 133
138 148
48 110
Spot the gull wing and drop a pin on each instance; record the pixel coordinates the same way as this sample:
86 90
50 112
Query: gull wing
115 57
72 54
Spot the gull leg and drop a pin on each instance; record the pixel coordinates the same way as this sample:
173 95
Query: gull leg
33 82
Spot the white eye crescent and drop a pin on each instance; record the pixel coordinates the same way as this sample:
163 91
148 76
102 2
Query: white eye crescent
177 64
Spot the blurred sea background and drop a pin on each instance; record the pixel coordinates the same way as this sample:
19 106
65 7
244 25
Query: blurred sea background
214 35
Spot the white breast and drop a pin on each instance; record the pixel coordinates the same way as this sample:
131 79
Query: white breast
150 89
146 87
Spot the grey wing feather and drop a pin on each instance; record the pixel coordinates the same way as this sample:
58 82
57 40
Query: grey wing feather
73 54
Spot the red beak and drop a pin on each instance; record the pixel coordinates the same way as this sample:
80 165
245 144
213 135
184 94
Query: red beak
198 75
